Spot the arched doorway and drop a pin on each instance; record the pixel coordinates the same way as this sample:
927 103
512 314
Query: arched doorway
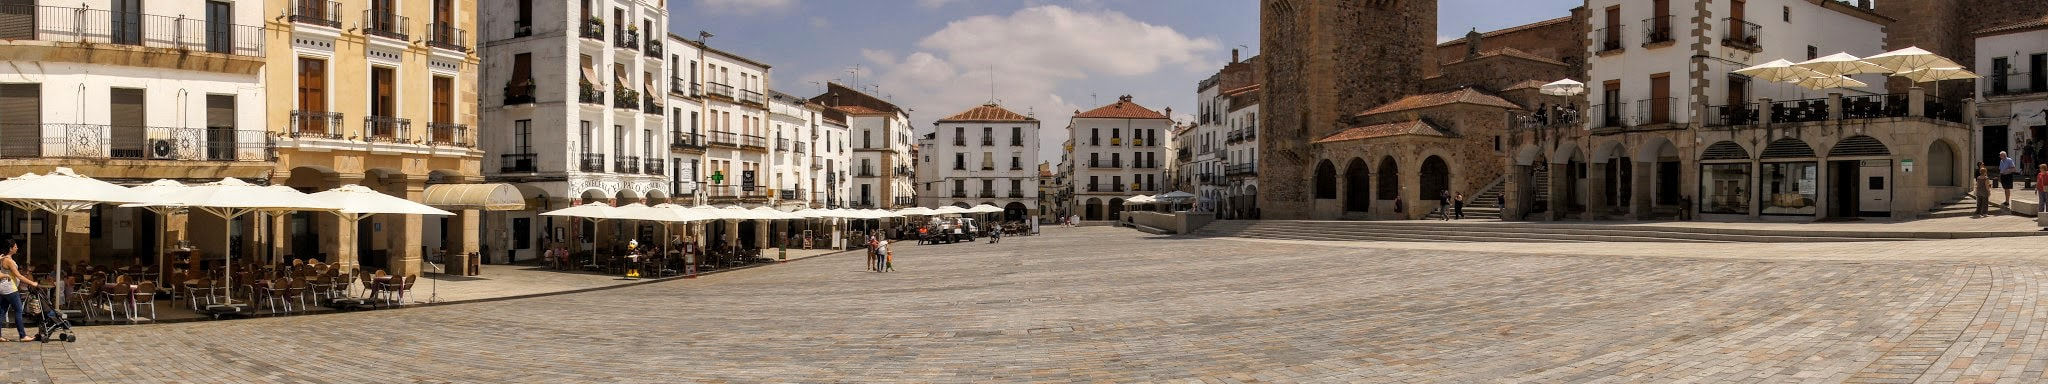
1389 179
1617 182
1435 178
1860 175
1357 186
1015 211
1116 209
1941 164
1662 160
1326 180
1092 210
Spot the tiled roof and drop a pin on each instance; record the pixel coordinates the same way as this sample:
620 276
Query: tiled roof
1465 96
1241 90
2035 23
859 110
1124 108
988 112
1511 52
1526 84
1503 31
1412 127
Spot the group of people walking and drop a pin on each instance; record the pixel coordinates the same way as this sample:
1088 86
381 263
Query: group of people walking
879 257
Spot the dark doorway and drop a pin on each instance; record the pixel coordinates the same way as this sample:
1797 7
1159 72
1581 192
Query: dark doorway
1436 179
1842 188
1995 137
1357 186
747 235
1667 183
365 256
305 239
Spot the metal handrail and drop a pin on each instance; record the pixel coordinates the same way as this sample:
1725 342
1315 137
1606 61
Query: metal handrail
99 26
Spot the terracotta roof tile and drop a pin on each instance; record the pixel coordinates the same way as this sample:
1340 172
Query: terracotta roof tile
1526 84
859 110
988 112
1508 30
1122 109
1242 90
2035 23
1464 96
1511 52
1412 127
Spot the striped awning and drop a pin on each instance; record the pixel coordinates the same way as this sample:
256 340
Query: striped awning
488 197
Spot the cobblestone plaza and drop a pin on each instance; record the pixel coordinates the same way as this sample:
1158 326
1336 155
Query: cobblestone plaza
1112 305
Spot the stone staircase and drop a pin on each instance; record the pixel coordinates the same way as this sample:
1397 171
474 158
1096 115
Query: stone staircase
1966 205
1436 231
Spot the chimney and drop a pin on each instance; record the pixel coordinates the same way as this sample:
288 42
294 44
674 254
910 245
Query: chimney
1233 55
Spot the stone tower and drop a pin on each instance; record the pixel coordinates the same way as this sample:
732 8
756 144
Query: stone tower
1326 60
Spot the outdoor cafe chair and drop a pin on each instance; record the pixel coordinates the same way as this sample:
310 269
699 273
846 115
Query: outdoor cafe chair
144 296
401 287
295 290
272 295
116 295
205 289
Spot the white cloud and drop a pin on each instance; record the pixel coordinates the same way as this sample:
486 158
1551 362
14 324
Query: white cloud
1030 56
932 4
745 7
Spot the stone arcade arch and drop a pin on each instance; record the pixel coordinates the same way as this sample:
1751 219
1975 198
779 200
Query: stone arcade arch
1942 164
1388 179
1435 178
1326 180
1357 186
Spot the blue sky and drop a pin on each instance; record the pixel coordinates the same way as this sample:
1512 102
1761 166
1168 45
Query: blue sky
938 57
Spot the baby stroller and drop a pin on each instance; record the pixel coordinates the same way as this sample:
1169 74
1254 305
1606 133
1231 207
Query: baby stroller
51 321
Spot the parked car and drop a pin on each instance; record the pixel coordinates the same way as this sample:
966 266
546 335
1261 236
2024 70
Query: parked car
948 230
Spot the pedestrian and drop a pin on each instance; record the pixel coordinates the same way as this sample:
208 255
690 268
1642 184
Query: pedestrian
1983 190
11 307
995 234
2041 188
2008 168
888 258
1458 205
1443 204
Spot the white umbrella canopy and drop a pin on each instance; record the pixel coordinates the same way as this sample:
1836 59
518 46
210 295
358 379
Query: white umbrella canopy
1841 63
1566 87
734 212
916 211
230 198
767 213
880 214
1778 70
1819 83
949 210
593 211
809 213
1175 195
985 208
62 192
679 214
1937 74
1140 199
1910 59
360 200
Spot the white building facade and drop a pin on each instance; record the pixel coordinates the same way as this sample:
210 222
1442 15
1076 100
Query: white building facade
1118 152
582 88
985 155
2012 101
882 142
685 118
736 155
831 157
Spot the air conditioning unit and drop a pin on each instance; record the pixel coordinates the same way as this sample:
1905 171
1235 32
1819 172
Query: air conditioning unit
162 149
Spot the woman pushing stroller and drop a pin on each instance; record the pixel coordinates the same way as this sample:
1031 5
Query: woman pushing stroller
11 306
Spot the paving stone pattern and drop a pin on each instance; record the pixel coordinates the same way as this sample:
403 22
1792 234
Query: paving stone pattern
1103 304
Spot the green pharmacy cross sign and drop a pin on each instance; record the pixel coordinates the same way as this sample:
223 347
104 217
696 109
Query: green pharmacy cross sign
717 177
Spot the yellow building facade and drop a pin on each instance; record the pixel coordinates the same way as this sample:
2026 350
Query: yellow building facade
380 93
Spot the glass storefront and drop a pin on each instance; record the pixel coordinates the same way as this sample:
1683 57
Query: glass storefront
1791 188
1725 188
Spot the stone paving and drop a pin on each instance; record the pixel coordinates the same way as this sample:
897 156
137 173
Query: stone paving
1109 305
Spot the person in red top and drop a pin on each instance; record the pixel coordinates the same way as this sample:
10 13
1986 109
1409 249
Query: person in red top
2041 188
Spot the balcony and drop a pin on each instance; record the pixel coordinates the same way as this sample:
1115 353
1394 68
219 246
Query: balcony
520 92
755 142
626 98
1015 194
728 139
800 147
2015 82
959 193
679 141
1608 39
593 28
1240 169
959 141
592 162
316 125
677 87
589 94
653 47
315 12
1612 114
447 36
386 23
449 135
988 167
781 144
1743 35
1727 115
516 163
1105 164
101 141
1657 30
522 28
626 164
1885 106
97 26
654 166
751 97
720 90
1116 141
1799 111
986 194
988 142
865 172
649 105
790 194
1016 142
388 129
1656 111
626 37
1145 164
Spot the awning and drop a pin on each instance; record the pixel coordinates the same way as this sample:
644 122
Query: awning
489 197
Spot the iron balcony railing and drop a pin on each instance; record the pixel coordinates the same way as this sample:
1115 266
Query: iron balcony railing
589 94
520 92
800 147
751 97
1657 30
1612 114
592 162
790 194
449 134
988 142
865 172
959 141
522 28
986 194
720 90
1656 111
959 193
725 138
1016 142
316 125
1240 169
678 87
316 12
1875 106
1014 194
1731 115
781 144
386 23
1145 164
593 28
751 141
626 98
649 104
388 129
1607 39
685 141
103 141
626 164
1743 35
517 163
447 36
1105 164
655 166
1799 111
625 37
653 47
98 26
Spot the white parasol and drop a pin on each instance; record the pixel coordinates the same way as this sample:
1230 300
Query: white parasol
1566 87
61 193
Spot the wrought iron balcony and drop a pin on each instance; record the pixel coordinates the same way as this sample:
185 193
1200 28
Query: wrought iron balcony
720 90
626 37
592 162
386 23
752 97
447 36
589 94
316 125
865 172
593 28
102 141
678 87
626 98
653 46
520 92
517 163
655 166
649 104
988 142
450 135
1743 35
1608 39
1656 111
1657 30
1015 194
685 141
1612 114
1240 169
99 26
755 142
781 144
986 194
316 12
522 28
725 139
388 129
627 164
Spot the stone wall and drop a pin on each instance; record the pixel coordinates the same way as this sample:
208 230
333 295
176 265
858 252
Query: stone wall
1493 73
1331 58
1944 26
1550 39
